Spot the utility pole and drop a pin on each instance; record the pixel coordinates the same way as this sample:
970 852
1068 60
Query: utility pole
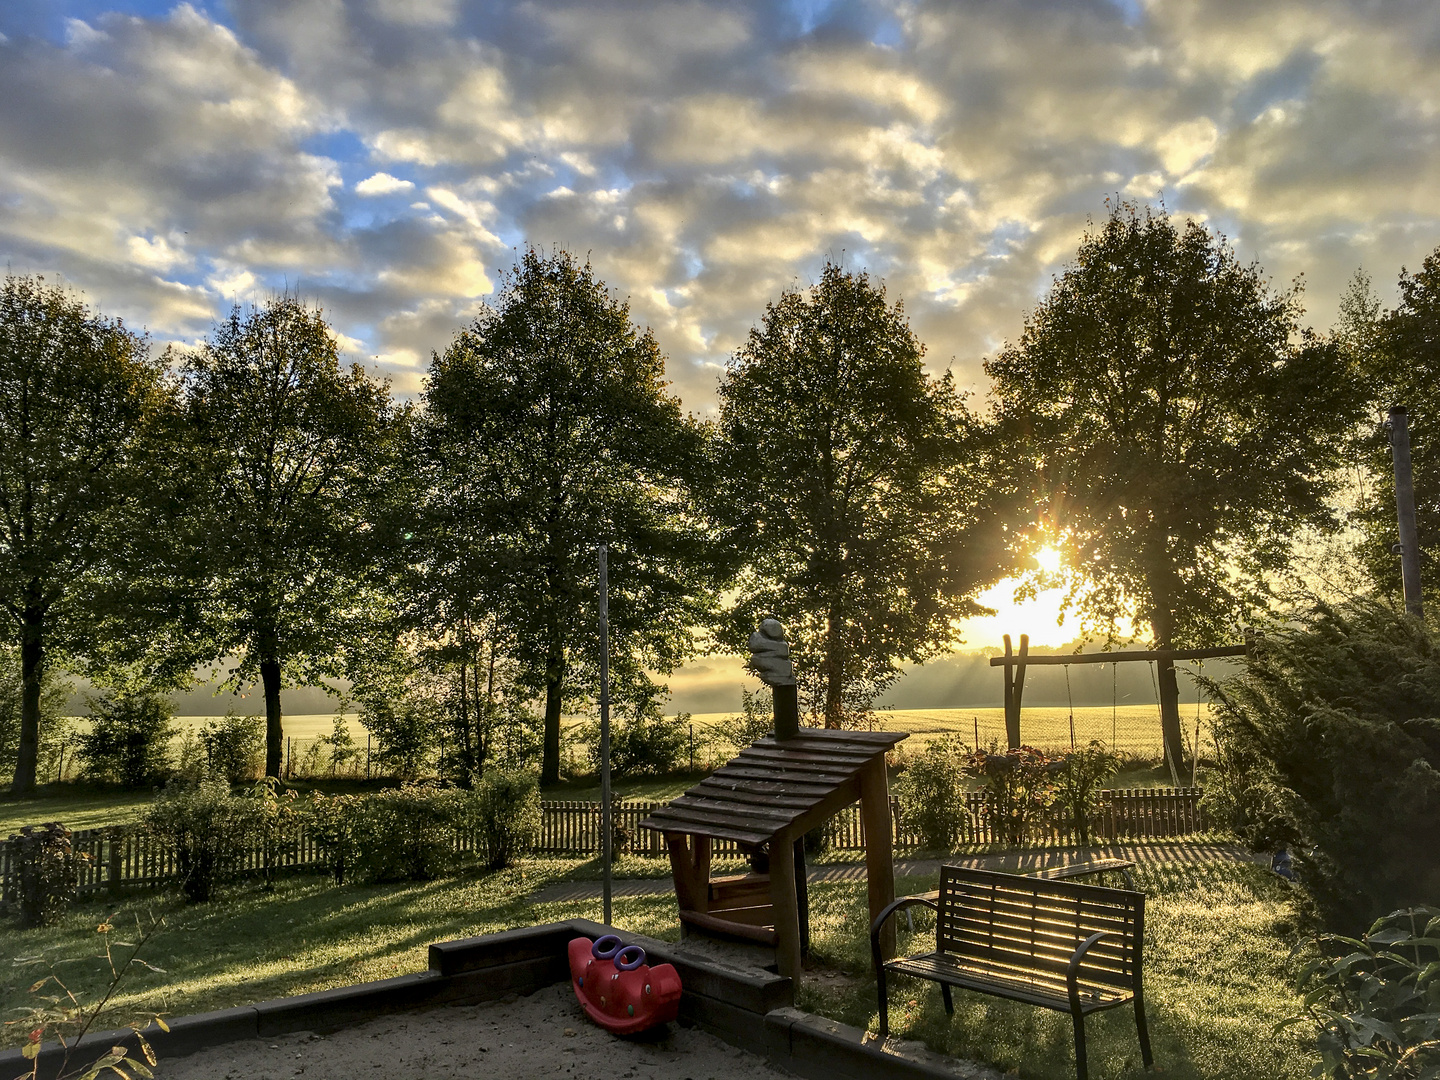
1409 546
606 829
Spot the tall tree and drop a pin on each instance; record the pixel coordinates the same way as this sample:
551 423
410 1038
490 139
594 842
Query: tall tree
1399 352
1180 429
855 485
79 396
547 431
296 458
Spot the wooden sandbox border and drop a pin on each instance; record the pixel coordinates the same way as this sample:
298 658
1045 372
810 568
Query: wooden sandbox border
751 1010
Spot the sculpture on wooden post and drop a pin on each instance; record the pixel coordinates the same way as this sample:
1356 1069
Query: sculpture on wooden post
770 660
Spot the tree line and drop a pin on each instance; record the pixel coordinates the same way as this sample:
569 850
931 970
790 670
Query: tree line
1162 418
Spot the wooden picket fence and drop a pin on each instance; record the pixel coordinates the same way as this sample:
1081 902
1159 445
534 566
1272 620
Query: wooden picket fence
125 857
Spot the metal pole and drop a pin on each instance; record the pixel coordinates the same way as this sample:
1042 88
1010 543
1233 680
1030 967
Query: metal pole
1409 546
605 828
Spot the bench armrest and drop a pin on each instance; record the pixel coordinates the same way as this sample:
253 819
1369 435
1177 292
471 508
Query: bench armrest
895 905
1073 971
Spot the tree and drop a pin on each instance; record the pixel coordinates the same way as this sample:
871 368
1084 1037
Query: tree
295 459
854 487
547 431
1400 354
1180 434
79 396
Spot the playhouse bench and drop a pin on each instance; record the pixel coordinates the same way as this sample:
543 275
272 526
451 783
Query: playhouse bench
1056 944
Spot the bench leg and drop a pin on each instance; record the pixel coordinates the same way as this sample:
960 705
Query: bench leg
884 1002
945 993
1081 1070
1143 1030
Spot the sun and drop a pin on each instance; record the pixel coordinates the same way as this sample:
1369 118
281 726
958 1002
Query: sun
1049 558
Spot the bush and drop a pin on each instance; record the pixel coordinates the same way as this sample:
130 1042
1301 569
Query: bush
405 731
931 800
1334 719
1078 781
209 830
407 833
129 738
508 815
1375 1003
47 873
1019 787
234 748
647 743
754 722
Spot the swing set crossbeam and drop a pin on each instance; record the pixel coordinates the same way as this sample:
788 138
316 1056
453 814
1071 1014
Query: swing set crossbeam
1031 660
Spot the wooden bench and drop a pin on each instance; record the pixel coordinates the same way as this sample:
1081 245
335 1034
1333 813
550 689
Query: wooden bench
1056 944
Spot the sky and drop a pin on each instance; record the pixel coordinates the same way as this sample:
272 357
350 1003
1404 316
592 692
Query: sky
388 159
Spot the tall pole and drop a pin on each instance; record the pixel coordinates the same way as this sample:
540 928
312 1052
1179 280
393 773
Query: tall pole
1405 508
606 831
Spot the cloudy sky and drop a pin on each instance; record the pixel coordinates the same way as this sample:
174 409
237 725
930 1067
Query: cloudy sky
387 157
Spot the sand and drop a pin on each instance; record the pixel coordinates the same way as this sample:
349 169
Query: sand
543 1035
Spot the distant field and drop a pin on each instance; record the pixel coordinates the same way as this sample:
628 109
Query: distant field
1131 729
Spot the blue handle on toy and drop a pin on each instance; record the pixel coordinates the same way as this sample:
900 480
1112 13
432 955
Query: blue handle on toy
621 964
606 947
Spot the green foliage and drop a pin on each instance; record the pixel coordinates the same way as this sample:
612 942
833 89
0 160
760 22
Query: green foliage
47 873
851 483
1334 716
1078 781
129 738
755 720
507 815
1182 430
79 396
1019 787
403 715
293 461
234 748
1375 1002
408 833
207 828
931 798
644 743
547 430
340 744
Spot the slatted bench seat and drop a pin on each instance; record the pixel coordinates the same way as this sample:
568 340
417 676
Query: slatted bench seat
1056 944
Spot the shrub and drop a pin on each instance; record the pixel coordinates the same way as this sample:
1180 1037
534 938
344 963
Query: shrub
754 721
1375 1002
234 748
1334 716
931 800
508 815
1078 781
331 819
406 833
209 830
129 738
341 744
646 743
47 873
1019 787
405 731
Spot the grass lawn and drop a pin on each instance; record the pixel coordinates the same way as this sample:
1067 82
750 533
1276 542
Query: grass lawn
1217 941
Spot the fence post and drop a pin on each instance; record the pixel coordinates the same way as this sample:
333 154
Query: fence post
116 840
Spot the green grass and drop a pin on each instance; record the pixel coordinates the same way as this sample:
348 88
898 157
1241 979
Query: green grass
1217 940
1215 972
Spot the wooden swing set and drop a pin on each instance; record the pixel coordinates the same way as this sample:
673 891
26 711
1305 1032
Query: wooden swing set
1167 690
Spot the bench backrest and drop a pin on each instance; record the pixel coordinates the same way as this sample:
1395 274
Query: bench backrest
1031 925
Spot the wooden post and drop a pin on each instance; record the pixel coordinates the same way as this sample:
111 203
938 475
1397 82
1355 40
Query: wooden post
1405 509
1012 717
802 897
607 824
879 832
786 701
786 907
1169 690
1017 690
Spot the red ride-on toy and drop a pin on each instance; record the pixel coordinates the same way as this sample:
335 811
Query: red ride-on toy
618 989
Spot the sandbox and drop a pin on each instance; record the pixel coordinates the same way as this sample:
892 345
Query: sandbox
501 1005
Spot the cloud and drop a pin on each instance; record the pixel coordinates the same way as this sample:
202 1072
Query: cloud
383 183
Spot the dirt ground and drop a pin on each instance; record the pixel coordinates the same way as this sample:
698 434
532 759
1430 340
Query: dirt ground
543 1035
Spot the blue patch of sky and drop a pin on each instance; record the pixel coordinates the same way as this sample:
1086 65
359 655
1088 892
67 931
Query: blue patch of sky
1131 11
808 14
1007 236
47 19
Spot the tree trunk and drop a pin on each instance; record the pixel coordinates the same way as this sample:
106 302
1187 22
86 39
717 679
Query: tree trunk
554 681
274 727
834 672
32 667
1162 622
